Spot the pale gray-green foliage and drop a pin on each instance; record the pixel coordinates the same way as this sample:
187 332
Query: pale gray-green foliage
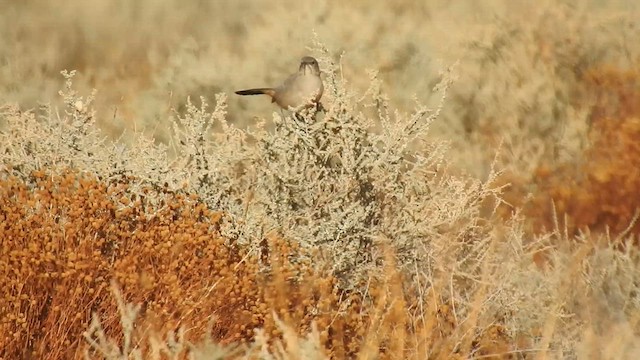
55 141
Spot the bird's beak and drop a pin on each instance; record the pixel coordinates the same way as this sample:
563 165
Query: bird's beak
307 69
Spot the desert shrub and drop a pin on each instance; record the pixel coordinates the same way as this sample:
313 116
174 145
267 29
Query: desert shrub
67 235
597 189
408 258
525 84
333 184
601 193
336 186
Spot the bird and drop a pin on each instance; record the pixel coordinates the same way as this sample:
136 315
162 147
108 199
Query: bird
302 89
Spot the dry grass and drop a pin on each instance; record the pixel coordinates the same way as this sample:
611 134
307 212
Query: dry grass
497 221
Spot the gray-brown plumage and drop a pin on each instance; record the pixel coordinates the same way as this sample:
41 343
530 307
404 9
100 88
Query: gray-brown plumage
302 88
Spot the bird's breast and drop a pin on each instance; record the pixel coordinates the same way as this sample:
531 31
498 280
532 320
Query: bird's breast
300 90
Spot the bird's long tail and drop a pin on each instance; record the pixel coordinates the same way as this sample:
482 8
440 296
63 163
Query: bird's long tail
260 91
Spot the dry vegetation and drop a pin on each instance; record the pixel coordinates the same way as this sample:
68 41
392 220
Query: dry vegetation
497 221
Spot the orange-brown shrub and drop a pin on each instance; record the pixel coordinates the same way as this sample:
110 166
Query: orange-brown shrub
65 237
601 189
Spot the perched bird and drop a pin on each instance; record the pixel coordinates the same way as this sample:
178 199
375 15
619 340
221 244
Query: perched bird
302 89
